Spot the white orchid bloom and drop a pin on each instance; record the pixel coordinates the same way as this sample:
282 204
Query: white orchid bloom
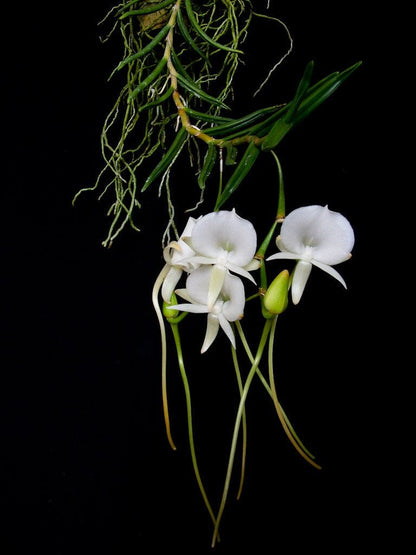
314 236
226 241
227 308
178 255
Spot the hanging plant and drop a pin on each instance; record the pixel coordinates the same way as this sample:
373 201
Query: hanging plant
175 107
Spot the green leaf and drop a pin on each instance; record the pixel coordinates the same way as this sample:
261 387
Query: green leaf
153 7
283 125
183 29
300 91
210 118
208 165
168 158
191 87
148 80
148 48
244 166
321 91
202 33
159 100
231 155
243 125
305 101
276 134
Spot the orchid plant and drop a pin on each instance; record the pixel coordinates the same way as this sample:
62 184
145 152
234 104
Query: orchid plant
179 62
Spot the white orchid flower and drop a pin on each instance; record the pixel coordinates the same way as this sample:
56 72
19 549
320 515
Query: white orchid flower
226 241
178 256
228 307
314 236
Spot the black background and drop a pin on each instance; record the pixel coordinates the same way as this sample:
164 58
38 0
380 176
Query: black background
86 467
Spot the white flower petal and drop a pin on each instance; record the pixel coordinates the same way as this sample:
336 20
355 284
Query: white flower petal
241 272
167 251
300 277
187 232
295 230
226 327
181 254
177 253
234 298
232 291
183 293
197 259
213 326
279 244
331 271
283 255
216 282
327 234
225 234
170 282
254 264
314 235
197 284
189 307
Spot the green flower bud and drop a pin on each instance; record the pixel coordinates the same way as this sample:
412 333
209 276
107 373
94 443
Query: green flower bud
168 313
276 297
172 315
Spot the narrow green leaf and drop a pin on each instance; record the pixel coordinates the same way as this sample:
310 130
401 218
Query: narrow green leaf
305 101
146 10
208 165
148 80
321 91
243 125
282 126
159 100
244 166
194 89
148 48
178 66
300 91
210 118
231 156
276 134
184 30
202 33
168 158
261 128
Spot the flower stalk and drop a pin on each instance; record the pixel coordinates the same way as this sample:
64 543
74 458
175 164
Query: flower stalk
293 438
177 339
244 422
240 411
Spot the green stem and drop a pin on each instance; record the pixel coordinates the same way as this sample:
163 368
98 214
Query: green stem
251 357
294 440
281 207
268 388
244 445
178 345
252 373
